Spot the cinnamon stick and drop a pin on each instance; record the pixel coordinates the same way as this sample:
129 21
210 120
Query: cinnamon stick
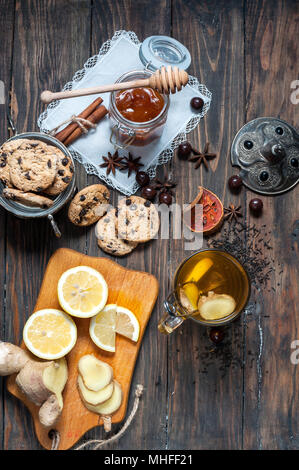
67 131
94 117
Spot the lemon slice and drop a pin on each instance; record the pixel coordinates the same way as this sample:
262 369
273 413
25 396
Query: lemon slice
50 334
127 324
102 328
111 320
82 291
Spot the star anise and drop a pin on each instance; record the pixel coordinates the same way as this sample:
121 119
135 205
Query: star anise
131 164
232 212
112 162
164 186
202 157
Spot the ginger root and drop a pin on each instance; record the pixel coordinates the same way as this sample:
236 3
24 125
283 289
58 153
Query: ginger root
41 382
50 411
12 358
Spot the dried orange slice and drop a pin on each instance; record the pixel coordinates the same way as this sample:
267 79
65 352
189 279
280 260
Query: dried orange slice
212 214
82 291
50 333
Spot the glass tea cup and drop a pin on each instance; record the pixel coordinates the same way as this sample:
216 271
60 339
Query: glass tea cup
209 270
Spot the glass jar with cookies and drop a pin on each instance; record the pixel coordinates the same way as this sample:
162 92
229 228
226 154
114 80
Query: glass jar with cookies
36 176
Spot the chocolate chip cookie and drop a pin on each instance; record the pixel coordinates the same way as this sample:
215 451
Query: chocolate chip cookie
6 150
28 199
64 174
32 165
4 168
138 219
108 241
89 205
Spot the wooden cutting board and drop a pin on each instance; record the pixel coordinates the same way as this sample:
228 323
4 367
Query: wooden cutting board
135 290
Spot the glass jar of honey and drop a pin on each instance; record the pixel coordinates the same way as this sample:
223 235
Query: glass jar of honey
137 115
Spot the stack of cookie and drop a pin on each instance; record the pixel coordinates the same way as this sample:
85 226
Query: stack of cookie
134 221
120 230
34 172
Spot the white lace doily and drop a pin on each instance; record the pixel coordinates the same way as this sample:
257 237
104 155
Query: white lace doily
116 57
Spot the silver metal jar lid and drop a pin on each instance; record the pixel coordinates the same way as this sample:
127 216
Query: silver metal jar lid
267 152
156 51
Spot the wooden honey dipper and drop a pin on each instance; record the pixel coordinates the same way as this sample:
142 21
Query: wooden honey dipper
164 80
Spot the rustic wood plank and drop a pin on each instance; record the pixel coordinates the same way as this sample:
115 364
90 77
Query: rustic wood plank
205 396
152 257
46 56
271 392
48 49
6 34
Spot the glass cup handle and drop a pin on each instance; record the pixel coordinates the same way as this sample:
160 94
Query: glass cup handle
170 320
115 134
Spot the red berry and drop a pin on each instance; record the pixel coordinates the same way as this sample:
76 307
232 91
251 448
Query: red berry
235 182
142 178
165 198
184 150
216 335
256 205
197 103
148 193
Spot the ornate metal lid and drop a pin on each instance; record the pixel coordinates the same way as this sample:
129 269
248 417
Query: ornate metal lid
267 151
156 51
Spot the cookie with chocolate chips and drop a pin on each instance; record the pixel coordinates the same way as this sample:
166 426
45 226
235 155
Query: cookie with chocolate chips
138 219
64 174
108 241
28 199
89 205
6 150
4 168
32 164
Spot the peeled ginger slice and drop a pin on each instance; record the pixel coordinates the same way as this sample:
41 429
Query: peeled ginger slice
216 306
96 374
55 377
94 398
109 406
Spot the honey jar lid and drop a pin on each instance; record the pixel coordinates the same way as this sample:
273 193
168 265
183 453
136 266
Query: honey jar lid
156 51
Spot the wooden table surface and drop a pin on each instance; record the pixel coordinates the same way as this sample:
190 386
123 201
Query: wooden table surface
246 52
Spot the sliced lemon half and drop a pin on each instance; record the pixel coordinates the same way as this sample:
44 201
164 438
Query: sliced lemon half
111 320
102 328
127 324
82 291
50 333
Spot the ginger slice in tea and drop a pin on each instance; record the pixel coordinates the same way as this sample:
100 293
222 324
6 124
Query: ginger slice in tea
216 306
